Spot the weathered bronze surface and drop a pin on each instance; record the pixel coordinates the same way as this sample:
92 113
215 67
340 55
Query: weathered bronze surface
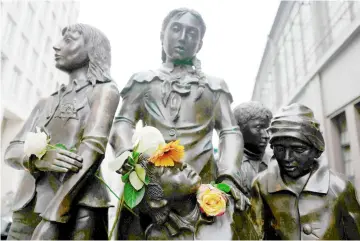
253 119
298 197
60 198
184 104
169 209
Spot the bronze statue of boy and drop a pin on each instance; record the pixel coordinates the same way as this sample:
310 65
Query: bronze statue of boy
253 118
184 104
60 197
298 197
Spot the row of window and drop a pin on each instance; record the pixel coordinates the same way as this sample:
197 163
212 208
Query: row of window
345 147
311 28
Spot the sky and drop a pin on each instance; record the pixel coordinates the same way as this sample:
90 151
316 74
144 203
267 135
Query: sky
234 42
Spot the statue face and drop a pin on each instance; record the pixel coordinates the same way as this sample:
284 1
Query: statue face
182 37
178 181
255 135
71 52
294 156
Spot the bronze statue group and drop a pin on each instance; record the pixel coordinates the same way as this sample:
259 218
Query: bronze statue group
285 193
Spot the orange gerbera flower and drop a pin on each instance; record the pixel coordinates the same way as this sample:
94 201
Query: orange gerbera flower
167 155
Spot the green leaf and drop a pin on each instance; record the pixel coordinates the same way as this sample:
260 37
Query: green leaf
223 187
131 161
147 180
132 197
140 171
135 181
61 146
125 177
135 156
73 149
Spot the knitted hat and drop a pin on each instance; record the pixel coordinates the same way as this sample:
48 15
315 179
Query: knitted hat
297 121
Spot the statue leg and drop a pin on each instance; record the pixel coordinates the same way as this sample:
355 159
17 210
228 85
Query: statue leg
24 223
87 224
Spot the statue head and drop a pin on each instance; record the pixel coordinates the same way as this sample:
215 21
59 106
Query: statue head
181 35
83 45
167 184
296 139
253 118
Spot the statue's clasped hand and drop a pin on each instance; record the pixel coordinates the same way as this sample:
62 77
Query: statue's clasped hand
241 201
59 160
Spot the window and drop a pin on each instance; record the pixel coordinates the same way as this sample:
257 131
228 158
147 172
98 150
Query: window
15 82
27 91
8 34
30 14
341 124
48 48
296 32
45 10
4 62
308 35
283 75
34 63
339 17
23 47
41 34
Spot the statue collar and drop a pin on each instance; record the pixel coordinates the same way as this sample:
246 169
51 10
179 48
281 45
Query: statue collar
253 156
170 67
318 182
74 84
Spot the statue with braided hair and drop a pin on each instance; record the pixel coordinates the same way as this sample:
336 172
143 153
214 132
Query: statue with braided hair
184 104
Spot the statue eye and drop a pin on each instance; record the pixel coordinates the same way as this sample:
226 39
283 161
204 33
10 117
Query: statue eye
279 148
299 149
176 28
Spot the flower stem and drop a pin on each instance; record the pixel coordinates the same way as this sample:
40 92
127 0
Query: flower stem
126 206
117 217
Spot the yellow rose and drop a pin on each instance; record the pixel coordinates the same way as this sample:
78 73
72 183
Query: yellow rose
212 201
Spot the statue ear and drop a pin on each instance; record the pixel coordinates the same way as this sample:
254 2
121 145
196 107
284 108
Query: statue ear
157 203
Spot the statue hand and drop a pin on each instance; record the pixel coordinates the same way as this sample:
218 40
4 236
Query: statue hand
59 160
241 201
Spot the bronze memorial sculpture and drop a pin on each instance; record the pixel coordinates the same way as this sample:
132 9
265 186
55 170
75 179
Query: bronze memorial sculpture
184 104
60 197
298 197
253 119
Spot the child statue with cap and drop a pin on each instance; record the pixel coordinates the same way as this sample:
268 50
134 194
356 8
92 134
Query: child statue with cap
298 197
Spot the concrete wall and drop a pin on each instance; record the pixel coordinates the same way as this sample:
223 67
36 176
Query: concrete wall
311 97
341 78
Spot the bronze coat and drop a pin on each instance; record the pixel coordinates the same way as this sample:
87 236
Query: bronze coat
79 115
327 208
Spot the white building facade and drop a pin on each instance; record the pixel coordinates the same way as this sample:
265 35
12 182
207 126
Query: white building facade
29 30
312 57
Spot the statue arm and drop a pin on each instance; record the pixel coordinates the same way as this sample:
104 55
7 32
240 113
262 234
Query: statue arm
351 215
103 104
230 140
125 120
257 212
14 154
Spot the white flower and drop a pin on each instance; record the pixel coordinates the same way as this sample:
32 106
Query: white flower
148 138
35 143
117 163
